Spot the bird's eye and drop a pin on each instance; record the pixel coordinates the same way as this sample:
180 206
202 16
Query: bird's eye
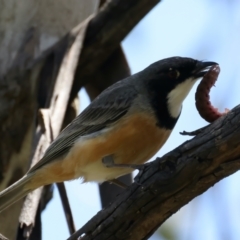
173 73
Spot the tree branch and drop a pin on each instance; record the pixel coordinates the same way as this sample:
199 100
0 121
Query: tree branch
66 207
170 182
105 32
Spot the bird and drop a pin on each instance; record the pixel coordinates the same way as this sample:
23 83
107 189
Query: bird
127 123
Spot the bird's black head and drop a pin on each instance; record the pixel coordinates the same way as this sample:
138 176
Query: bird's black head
176 70
169 81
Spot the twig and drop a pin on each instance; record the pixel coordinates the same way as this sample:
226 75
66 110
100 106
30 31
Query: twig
66 207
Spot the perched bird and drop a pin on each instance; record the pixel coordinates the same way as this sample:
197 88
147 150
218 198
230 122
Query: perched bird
128 123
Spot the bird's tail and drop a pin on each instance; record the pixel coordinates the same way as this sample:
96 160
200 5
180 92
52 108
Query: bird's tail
14 192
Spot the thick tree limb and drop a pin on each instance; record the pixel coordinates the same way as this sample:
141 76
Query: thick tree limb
104 34
170 182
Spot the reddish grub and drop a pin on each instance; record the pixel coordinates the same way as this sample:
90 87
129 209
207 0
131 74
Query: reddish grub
203 104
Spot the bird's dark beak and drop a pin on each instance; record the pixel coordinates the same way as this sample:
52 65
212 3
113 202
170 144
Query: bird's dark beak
201 68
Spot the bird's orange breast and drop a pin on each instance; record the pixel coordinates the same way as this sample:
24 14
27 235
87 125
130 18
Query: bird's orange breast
133 140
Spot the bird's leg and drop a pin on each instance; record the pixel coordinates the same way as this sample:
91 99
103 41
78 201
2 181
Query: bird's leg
194 133
108 161
118 183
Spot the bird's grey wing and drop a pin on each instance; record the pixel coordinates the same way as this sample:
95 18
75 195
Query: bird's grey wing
106 109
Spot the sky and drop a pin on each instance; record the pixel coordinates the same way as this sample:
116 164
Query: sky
201 29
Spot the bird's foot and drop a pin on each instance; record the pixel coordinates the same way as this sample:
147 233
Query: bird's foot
109 162
193 133
118 183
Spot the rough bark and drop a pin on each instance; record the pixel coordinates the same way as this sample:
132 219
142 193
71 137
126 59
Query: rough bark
162 187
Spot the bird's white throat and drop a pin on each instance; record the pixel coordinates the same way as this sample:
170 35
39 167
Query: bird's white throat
176 97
